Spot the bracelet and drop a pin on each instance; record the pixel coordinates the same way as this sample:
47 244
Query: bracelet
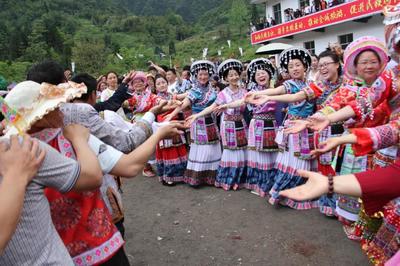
330 186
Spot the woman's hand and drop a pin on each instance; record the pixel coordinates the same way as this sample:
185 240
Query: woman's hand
296 126
158 109
318 123
220 109
257 99
189 121
171 130
168 117
129 77
250 96
21 161
316 186
327 145
75 133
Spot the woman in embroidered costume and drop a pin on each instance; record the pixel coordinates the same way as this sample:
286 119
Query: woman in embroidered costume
383 140
231 170
322 92
205 148
294 148
362 99
142 100
171 154
262 149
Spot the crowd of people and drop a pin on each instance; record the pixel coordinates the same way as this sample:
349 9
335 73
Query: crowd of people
290 14
335 148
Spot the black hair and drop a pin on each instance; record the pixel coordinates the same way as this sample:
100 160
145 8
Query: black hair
109 72
188 71
367 50
226 72
298 57
90 83
47 71
335 58
172 70
165 68
186 67
316 56
158 76
151 76
151 68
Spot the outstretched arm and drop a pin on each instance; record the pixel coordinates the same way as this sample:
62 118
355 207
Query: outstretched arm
284 98
185 104
334 142
131 164
288 98
257 97
317 185
234 104
341 115
207 110
319 121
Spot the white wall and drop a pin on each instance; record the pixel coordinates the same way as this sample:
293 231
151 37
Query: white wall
374 27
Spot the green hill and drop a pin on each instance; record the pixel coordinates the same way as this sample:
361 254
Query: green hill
91 33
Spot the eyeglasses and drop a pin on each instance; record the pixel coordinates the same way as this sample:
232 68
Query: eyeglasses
365 63
325 65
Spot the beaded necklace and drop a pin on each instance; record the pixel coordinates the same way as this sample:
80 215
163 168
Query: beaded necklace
329 88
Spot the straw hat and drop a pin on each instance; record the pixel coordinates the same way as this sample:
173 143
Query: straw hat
32 101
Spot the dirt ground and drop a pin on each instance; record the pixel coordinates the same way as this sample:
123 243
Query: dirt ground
208 226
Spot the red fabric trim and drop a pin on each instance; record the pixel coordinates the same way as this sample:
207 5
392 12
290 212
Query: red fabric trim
364 143
356 109
379 186
317 90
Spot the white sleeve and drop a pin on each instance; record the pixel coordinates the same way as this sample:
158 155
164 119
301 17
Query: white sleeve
107 155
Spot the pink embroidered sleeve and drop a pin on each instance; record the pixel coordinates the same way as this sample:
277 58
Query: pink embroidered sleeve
221 99
373 139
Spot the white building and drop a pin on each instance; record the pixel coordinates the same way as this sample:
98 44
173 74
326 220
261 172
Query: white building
361 18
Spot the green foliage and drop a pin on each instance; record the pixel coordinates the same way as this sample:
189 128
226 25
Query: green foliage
14 71
238 15
88 55
91 32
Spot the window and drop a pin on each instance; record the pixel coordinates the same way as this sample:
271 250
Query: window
304 3
277 13
310 46
345 40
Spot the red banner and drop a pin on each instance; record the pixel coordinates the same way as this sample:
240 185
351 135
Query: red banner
334 15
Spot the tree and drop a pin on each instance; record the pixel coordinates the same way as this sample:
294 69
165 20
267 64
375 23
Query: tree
254 14
89 55
171 48
238 14
38 50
